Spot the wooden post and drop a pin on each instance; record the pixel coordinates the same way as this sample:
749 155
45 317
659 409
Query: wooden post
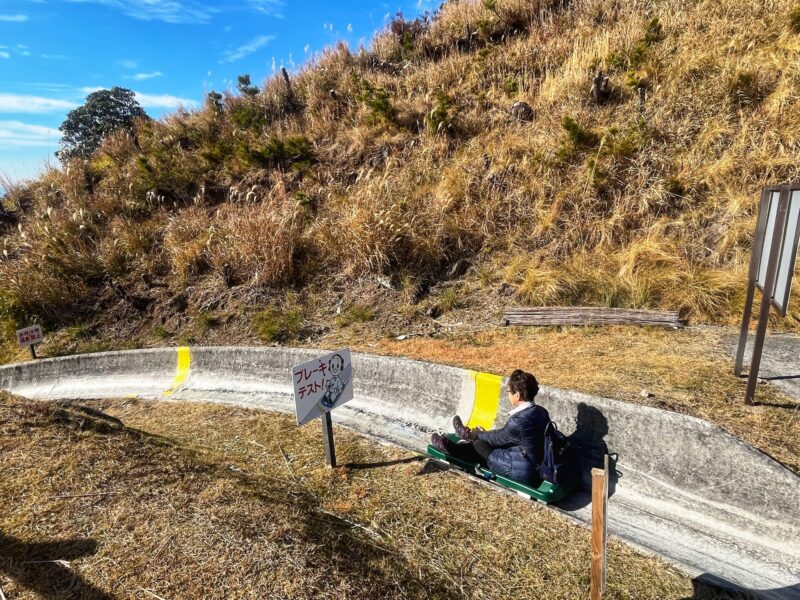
599 529
327 438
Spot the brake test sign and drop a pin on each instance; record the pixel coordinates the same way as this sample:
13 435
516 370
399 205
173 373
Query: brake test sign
30 336
322 384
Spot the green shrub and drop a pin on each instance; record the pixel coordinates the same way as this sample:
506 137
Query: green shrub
578 135
206 320
160 332
637 80
794 18
248 115
484 27
355 314
440 119
407 43
276 325
377 100
654 32
451 298
511 87
77 332
631 59
295 152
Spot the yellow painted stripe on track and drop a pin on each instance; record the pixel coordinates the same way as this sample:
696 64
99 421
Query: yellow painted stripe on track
182 370
487 399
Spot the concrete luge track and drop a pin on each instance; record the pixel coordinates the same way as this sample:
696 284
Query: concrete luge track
684 489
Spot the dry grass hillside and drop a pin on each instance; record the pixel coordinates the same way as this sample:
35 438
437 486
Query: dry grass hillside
401 163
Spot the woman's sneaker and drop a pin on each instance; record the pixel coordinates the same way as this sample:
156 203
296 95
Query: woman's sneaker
440 442
461 430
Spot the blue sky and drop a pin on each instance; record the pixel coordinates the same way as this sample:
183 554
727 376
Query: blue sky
170 52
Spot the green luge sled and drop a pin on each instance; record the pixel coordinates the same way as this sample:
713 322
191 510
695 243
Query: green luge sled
546 492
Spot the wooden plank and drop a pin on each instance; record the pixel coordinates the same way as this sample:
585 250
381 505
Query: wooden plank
550 315
599 520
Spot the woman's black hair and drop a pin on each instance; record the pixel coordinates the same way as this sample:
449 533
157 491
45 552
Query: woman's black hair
339 356
525 384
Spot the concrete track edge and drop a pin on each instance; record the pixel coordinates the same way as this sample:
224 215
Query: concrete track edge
683 488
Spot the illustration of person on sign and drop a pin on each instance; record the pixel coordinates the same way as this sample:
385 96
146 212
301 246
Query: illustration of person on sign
335 385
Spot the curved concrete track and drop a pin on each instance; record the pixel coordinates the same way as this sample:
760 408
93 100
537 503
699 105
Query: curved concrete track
683 489
780 365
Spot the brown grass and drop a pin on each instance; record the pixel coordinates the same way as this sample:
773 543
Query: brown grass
189 501
362 169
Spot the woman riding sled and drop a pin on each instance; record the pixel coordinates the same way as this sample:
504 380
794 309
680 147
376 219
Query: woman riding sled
514 451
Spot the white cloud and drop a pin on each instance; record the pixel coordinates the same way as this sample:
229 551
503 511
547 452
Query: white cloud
20 103
4 54
129 64
164 101
183 11
146 76
13 18
153 100
273 8
168 11
17 133
57 88
247 49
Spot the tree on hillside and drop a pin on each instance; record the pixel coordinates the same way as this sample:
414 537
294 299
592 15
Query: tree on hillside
244 87
105 111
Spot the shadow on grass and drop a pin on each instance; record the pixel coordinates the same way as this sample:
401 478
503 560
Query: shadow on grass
789 405
365 558
39 567
387 463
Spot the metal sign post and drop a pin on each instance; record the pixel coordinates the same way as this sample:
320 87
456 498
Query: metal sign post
30 336
327 439
321 385
771 270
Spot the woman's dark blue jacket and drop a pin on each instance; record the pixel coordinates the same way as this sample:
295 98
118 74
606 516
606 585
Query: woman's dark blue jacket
519 445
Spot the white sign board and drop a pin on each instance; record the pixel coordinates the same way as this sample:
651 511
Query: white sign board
29 336
788 247
771 212
322 384
788 260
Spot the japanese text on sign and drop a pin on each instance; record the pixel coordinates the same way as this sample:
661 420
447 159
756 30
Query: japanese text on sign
29 336
322 384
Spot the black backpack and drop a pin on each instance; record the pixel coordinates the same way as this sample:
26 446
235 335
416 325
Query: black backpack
559 458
